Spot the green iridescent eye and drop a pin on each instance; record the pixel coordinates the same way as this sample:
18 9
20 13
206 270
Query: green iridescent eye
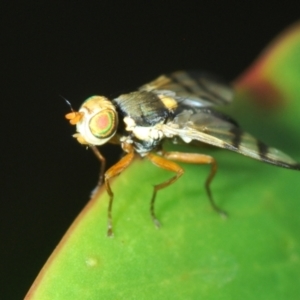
103 124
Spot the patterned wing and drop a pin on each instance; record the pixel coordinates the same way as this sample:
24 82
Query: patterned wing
199 89
207 126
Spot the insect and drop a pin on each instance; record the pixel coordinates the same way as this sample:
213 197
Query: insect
178 106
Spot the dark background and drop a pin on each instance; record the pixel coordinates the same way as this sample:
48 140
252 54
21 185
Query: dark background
77 50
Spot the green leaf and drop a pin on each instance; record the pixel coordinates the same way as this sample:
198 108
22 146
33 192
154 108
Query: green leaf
196 254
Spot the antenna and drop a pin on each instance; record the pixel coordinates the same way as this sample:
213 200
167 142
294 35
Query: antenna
68 102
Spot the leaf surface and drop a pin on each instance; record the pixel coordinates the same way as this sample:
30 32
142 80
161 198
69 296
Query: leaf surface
196 254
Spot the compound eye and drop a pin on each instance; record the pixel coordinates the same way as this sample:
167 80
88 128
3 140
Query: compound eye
103 124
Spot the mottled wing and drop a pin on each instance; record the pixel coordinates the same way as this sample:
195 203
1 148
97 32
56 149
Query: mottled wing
206 126
199 89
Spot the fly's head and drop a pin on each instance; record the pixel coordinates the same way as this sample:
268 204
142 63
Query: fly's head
96 121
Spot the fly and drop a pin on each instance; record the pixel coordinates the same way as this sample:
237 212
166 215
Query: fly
177 106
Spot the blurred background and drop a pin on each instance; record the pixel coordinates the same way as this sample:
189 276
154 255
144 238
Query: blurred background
76 50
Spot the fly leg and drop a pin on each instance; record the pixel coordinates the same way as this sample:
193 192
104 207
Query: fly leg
165 164
102 168
115 170
196 158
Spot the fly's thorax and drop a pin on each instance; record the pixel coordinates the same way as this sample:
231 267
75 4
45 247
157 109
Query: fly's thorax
99 121
143 138
144 107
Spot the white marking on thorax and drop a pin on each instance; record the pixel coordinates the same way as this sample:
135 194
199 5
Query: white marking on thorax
144 133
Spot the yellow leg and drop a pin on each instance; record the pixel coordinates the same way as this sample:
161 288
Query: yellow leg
115 170
194 158
166 165
102 167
